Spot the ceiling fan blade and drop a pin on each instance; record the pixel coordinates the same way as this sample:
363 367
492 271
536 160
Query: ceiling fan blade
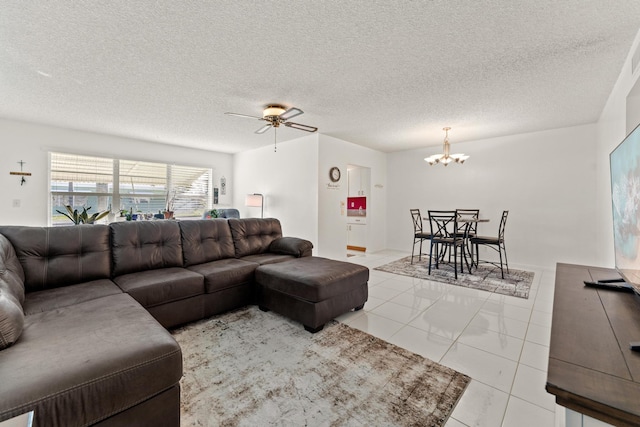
243 115
290 113
301 127
264 128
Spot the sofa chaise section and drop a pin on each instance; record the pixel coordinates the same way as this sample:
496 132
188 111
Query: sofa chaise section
81 364
312 290
87 353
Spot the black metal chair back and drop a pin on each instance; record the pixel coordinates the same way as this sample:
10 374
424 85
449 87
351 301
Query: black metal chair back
419 235
443 224
503 223
495 243
417 220
472 227
444 236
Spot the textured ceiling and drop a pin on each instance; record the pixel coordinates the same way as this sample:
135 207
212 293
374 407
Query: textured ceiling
383 74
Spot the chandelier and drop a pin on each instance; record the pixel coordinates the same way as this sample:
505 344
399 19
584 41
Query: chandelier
446 158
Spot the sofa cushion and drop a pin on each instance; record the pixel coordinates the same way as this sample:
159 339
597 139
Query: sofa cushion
145 245
50 299
11 319
155 287
225 273
80 364
267 258
291 246
254 235
204 241
61 256
11 273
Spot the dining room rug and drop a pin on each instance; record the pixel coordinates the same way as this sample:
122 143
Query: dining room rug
516 283
250 368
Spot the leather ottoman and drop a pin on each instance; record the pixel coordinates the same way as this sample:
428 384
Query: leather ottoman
312 290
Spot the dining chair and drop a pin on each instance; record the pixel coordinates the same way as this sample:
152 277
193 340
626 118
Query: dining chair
495 243
443 226
468 229
470 214
419 235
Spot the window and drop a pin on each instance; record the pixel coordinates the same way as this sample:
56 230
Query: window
126 185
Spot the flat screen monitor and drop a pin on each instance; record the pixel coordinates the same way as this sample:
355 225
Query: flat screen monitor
624 162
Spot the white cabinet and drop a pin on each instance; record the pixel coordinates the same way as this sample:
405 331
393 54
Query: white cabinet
354 182
359 182
365 179
357 235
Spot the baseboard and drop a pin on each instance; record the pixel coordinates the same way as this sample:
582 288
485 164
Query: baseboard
356 248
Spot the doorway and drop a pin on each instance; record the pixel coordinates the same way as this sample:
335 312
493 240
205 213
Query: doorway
358 209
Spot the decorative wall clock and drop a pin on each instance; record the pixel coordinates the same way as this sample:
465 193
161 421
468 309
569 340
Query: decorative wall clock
334 174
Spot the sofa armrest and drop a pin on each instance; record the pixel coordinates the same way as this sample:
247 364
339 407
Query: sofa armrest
291 246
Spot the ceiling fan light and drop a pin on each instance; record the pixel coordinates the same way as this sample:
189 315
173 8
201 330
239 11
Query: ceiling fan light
273 110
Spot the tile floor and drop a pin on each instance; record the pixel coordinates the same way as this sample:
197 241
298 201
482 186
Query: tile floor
501 342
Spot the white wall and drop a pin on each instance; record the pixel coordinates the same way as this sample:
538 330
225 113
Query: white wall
612 129
332 225
287 179
32 142
297 189
545 179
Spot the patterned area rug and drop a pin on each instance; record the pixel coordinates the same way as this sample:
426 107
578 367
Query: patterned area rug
250 368
516 283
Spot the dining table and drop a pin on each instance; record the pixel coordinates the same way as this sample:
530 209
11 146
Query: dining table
467 247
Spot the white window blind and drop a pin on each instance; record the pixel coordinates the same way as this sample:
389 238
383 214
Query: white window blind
82 174
80 181
190 190
130 185
143 186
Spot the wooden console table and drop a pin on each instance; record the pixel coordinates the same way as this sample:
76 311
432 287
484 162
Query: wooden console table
591 368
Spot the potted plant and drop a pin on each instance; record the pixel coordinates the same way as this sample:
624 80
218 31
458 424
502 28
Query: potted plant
213 213
171 198
83 217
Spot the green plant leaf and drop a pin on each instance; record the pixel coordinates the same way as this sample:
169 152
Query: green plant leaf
83 217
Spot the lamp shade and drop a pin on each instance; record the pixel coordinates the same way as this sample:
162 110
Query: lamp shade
254 200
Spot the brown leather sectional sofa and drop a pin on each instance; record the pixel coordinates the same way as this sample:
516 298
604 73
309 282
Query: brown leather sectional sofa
91 346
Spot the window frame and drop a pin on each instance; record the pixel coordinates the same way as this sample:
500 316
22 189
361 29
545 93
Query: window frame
117 195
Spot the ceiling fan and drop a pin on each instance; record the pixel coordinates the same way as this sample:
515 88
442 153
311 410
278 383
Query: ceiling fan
276 115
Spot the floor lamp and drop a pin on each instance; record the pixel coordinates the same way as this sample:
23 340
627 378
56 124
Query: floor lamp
255 200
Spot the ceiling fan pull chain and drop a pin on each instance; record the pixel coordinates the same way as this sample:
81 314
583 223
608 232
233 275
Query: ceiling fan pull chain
275 142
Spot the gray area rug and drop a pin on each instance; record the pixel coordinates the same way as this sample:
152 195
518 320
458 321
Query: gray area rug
516 283
250 368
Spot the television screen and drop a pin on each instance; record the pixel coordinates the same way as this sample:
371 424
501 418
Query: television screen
625 196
